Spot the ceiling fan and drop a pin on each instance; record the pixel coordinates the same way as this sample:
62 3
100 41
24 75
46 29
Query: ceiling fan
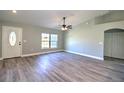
65 27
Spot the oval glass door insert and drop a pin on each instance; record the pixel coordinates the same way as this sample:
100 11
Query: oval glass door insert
12 38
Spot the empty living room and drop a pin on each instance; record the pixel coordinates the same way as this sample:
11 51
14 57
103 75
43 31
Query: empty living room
61 45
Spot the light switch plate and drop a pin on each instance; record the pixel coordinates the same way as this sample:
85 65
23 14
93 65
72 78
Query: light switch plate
100 43
24 41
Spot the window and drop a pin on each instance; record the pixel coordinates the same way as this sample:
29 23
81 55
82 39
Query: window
12 38
45 40
49 40
54 39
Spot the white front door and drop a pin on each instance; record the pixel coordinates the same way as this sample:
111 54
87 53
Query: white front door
11 42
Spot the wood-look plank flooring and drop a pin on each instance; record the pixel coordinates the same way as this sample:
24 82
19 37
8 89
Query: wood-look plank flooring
60 67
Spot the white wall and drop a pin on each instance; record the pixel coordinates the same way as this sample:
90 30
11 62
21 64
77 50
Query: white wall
87 39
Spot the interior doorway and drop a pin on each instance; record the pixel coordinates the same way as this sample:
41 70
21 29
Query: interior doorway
114 44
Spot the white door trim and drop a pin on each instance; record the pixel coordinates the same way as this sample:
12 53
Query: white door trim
3 41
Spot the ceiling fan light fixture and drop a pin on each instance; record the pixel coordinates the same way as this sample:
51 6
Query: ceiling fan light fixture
63 28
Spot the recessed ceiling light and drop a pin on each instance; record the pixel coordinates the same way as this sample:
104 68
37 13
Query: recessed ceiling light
14 11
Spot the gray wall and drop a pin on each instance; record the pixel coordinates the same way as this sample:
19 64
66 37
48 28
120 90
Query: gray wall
85 39
89 39
32 34
0 40
112 16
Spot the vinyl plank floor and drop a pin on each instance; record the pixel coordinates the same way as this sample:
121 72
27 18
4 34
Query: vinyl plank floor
60 67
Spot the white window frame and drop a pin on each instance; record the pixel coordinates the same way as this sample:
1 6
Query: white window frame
56 41
42 47
50 41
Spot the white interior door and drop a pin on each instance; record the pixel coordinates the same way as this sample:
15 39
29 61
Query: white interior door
11 42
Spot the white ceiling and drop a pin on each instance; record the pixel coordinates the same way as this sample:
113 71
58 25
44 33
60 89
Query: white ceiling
50 18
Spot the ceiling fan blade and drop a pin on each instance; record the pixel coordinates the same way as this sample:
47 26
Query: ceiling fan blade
69 26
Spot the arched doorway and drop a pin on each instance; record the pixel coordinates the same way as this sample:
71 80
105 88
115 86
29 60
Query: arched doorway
114 44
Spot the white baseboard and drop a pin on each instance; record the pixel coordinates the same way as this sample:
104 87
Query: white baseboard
99 58
39 53
26 55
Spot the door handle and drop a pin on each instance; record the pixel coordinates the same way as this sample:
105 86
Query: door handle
19 43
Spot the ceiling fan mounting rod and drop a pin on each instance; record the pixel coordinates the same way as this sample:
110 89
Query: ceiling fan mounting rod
64 20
